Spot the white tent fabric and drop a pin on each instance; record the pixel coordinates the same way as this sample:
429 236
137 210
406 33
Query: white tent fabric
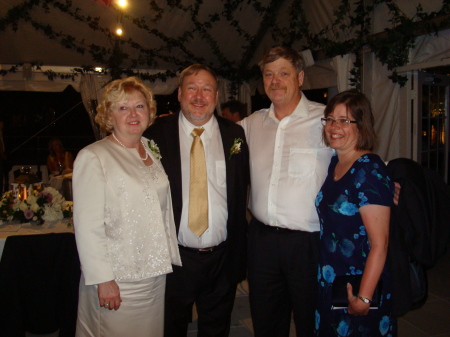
223 93
388 103
40 82
319 76
342 66
384 97
245 96
431 48
37 82
91 89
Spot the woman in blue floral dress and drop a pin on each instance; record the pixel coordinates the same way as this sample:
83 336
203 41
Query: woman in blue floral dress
354 209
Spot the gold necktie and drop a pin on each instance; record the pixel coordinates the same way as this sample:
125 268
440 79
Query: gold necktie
198 189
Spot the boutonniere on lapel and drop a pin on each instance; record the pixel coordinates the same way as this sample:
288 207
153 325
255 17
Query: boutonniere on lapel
155 149
236 148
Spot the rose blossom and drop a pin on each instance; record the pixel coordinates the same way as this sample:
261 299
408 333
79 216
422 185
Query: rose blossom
28 214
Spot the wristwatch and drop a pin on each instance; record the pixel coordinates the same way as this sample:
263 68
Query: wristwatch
365 300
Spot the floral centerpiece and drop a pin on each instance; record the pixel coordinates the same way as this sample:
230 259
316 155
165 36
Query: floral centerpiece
43 204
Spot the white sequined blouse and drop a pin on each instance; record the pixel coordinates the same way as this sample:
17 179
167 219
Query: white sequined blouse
123 216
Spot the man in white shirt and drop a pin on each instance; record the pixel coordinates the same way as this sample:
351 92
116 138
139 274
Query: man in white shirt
288 164
214 260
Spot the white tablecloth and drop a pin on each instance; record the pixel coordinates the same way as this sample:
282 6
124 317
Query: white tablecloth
57 181
27 229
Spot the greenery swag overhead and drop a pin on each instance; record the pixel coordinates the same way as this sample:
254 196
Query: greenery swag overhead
350 32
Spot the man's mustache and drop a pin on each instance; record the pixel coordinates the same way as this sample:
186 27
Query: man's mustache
277 87
199 101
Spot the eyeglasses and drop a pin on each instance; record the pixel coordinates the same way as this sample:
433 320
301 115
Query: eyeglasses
340 122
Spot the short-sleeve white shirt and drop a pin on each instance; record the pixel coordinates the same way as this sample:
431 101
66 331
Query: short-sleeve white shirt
288 165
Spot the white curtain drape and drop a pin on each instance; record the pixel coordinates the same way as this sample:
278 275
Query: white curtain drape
431 48
91 90
245 96
385 99
388 103
37 82
342 66
320 75
223 94
40 82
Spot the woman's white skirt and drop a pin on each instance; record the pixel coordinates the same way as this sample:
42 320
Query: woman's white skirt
141 312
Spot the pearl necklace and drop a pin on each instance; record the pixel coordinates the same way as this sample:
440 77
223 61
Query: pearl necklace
118 141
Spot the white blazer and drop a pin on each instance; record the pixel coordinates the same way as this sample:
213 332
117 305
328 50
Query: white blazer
121 231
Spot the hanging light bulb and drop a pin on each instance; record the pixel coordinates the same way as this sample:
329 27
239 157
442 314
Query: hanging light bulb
122 3
119 31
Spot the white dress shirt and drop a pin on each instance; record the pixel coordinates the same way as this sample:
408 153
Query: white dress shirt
217 185
288 165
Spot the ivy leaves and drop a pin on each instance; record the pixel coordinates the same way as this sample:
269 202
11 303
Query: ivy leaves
349 32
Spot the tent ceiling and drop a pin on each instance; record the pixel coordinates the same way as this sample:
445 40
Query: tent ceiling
159 35
240 40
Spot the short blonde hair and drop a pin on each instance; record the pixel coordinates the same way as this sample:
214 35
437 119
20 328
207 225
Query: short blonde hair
117 91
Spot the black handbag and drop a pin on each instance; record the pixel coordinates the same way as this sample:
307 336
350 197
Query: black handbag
339 291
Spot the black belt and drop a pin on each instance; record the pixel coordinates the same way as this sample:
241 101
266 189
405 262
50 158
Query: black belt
203 250
275 228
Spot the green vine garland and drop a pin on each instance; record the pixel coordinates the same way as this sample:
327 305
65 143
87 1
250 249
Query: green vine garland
348 33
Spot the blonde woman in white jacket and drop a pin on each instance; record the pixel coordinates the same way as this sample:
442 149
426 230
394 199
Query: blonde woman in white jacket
123 220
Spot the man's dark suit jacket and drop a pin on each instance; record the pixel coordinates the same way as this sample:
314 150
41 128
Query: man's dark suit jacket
165 134
419 231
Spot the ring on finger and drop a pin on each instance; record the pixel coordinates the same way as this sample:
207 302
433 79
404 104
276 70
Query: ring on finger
106 304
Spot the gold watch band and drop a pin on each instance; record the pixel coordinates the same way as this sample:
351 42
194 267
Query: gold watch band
365 300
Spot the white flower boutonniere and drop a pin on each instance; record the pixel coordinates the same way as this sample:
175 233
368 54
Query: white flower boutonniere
155 149
236 148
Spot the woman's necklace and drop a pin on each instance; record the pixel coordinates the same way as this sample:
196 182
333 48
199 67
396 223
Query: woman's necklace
118 141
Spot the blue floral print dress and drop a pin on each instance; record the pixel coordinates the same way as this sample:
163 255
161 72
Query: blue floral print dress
344 245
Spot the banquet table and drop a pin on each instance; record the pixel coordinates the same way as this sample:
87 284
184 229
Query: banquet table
10 229
56 181
32 254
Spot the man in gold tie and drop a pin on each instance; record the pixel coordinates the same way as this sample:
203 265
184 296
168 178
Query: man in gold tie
206 159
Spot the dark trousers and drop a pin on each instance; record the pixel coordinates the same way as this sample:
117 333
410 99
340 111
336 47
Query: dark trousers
201 279
282 277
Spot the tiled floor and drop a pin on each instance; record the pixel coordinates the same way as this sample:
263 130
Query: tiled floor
433 319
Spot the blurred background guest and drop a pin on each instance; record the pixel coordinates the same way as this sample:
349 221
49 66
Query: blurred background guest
59 160
123 219
234 110
3 170
354 210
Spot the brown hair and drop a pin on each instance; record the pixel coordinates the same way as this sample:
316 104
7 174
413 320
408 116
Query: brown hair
358 106
50 146
287 53
194 70
117 91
